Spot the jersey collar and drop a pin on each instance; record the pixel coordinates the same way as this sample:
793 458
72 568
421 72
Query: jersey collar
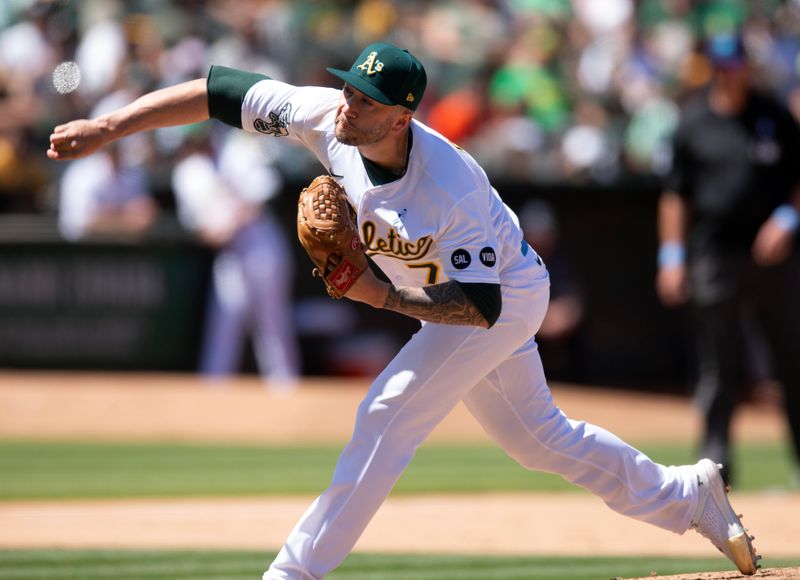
379 175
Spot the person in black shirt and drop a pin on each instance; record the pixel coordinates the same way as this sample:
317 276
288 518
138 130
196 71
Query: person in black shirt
726 221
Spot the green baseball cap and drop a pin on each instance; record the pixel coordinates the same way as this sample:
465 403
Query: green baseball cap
388 74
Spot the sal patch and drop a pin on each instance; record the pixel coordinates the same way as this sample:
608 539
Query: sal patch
460 259
275 124
487 257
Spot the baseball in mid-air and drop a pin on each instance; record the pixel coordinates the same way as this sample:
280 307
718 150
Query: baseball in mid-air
66 77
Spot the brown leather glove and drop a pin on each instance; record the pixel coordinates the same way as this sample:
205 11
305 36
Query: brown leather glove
328 233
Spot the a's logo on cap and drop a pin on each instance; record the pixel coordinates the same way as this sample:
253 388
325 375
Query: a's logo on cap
372 65
410 98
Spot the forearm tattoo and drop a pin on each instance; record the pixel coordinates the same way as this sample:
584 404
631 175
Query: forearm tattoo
445 303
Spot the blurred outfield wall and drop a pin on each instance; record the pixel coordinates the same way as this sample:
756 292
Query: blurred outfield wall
140 306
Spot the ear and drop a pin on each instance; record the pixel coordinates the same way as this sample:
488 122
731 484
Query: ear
403 119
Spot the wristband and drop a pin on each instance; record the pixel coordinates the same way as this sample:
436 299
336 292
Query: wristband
787 217
671 255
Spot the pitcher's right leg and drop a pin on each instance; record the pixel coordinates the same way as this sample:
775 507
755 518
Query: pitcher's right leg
515 407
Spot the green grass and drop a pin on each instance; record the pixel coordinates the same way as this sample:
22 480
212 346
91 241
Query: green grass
53 470
230 565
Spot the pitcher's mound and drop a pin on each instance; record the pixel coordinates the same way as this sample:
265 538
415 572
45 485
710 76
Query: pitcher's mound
766 573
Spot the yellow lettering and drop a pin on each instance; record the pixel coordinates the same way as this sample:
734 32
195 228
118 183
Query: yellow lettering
368 229
393 245
371 65
433 271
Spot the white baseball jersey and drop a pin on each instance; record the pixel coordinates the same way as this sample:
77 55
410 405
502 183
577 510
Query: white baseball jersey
442 220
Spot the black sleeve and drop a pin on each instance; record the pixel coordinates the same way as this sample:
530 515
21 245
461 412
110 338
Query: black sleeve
226 90
486 298
791 147
677 178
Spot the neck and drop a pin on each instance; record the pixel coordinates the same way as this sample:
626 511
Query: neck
390 153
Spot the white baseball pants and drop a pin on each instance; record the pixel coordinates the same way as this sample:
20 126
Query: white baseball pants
498 374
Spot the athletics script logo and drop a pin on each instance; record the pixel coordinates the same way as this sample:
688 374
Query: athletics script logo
276 123
393 245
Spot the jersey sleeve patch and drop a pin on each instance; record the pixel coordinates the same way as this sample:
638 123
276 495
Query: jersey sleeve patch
467 243
227 88
488 257
275 124
460 259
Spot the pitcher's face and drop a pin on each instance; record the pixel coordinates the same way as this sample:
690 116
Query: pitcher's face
361 120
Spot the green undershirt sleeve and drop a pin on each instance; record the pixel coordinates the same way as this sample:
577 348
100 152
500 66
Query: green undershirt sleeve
227 88
487 298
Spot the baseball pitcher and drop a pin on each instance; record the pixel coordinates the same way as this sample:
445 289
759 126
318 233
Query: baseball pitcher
426 214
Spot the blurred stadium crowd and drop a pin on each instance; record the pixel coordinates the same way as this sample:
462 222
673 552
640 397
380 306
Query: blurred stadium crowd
539 90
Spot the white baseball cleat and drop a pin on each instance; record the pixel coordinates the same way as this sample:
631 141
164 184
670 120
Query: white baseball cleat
715 519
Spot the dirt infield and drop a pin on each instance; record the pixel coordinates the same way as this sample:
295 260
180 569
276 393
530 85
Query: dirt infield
159 408
765 573
181 408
